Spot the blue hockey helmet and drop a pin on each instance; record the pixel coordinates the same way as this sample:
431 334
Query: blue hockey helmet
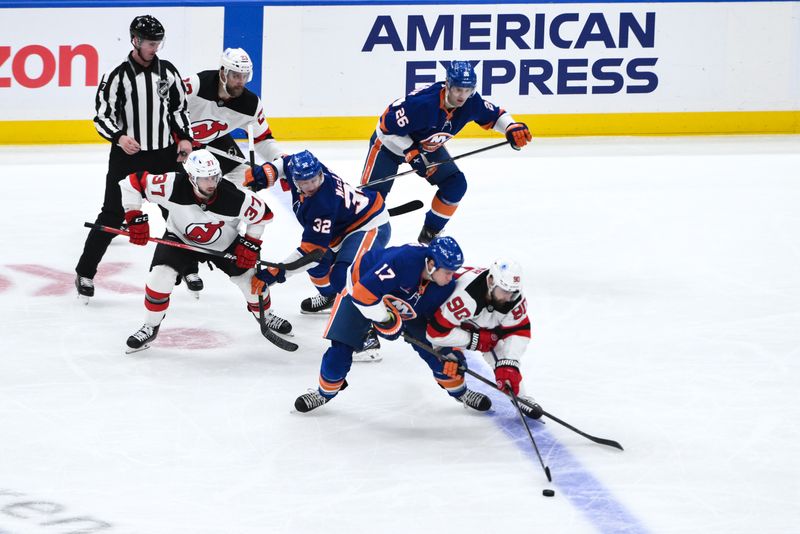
461 74
445 253
304 166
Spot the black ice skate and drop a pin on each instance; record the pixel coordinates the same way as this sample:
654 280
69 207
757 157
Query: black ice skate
533 413
309 401
371 351
277 324
193 283
475 400
85 287
142 338
426 235
317 304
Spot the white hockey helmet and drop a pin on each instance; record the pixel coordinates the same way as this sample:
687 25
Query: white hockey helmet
236 60
506 274
202 164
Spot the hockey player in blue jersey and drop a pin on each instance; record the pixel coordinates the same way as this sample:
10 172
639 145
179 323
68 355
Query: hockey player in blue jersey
384 289
337 219
414 130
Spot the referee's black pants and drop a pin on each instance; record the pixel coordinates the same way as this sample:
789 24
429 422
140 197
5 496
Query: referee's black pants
112 214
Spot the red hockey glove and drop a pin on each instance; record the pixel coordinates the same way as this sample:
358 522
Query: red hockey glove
417 161
247 249
261 176
507 371
483 340
138 227
455 363
518 135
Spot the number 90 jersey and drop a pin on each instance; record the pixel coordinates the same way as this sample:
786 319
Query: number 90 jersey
467 309
334 211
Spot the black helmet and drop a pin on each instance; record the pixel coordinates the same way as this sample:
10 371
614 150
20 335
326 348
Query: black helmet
147 27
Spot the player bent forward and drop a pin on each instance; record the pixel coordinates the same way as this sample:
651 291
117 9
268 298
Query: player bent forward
386 287
487 312
204 211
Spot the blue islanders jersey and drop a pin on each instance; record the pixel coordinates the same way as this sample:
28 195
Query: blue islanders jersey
423 116
397 271
334 211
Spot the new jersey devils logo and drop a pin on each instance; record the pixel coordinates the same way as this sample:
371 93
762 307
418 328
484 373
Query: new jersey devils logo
208 130
205 233
435 141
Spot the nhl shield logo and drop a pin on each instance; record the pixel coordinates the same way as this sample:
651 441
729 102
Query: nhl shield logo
163 89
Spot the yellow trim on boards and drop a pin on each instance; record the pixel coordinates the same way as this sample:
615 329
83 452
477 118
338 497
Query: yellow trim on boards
554 125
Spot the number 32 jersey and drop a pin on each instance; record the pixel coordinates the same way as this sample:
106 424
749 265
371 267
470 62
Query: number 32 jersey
334 211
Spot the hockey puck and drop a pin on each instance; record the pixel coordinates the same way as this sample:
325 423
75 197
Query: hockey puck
548 493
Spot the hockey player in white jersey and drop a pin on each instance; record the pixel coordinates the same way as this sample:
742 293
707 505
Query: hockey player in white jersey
219 103
203 211
487 312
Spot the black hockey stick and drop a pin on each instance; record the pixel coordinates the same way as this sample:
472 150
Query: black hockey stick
311 257
601 441
433 165
515 402
405 208
268 334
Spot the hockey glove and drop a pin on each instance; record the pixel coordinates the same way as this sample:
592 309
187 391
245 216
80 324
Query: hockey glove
518 135
261 176
507 372
483 340
247 249
455 363
417 161
391 328
267 277
138 227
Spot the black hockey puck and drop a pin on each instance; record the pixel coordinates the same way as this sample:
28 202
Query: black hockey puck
548 493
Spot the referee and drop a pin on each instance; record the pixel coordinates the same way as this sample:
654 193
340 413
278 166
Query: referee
141 108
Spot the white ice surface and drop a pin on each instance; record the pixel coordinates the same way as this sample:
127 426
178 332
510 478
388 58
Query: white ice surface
663 281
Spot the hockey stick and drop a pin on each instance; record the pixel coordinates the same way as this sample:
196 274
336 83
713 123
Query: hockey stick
311 257
515 402
232 157
433 165
402 209
428 348
268 334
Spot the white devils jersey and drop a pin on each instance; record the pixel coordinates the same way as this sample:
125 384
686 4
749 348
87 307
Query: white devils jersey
467 309
212 225
212 117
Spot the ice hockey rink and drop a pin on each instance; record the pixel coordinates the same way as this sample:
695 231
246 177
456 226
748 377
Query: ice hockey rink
663 284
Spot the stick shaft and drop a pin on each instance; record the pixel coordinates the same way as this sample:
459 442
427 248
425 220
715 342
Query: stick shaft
434 165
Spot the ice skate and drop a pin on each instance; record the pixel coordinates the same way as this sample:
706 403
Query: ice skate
533 413
277 324
309 401
317 304
475 400
85 287
194 284
426 235
141 339
371 351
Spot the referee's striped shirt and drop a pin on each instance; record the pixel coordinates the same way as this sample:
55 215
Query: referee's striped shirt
146 103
